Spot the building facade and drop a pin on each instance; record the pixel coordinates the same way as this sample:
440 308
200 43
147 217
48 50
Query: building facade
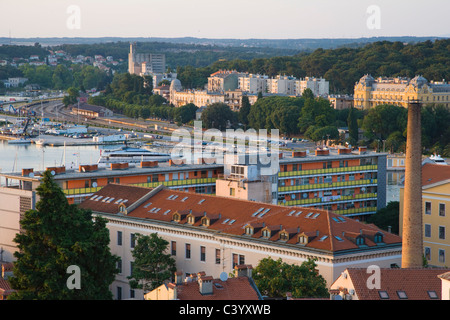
351 183
145 63
215 234
435 205
370 92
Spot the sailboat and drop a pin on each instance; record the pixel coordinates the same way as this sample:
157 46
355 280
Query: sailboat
40 141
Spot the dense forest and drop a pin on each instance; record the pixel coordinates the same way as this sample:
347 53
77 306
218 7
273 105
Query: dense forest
343 67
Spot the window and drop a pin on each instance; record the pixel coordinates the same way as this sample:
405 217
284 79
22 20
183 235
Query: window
249 230
238 259
119 293
119 266
427 207
232 192
119 238
284 236
188 251
266 233
402 295
132 295
428 230
173 248
132 240
383 295
202 253
441 232
378 238
302 240
217 256
441 255
442 209
428 253
359 241
433 295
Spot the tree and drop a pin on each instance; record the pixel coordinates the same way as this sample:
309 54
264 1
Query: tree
387 217
352 124
307 94
275 278
185 113
244 111
217 115
152 266
71 98
57 235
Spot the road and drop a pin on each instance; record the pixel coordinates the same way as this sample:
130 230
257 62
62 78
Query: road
56 111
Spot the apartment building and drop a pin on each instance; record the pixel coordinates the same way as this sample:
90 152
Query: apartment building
215 234
223 80
370 92
78 184
319 86
145 63
351 183
436 205
253 83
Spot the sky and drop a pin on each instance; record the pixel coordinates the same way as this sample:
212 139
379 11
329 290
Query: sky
238 19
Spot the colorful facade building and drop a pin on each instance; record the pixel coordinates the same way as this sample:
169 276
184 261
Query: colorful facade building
351 183
370 92
436 204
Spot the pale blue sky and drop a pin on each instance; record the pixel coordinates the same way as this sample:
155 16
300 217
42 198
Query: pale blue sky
274 19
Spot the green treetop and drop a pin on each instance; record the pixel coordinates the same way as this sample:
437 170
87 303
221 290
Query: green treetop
57 235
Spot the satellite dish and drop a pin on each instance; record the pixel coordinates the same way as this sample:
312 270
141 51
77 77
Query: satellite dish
94 184
53 172
31 175
223 276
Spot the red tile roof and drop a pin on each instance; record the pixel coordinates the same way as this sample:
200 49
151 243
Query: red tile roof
326 230
238 288
104 201
5 287
415 282
433 173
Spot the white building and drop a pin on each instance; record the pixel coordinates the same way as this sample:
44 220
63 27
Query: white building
319 86
253 83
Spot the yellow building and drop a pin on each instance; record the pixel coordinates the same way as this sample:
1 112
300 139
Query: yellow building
436 205
370 92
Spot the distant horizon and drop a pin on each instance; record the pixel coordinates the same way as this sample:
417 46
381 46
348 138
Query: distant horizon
227 38
235 19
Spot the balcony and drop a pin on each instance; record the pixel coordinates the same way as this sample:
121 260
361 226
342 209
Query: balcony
329 186
356 169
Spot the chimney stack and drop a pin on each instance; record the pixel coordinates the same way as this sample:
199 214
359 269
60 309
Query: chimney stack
412 241
205 285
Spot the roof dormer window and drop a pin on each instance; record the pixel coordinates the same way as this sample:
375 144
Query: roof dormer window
176 217
284 236
378 238
360 241
249 230
303 239
190 219
266 233
205 221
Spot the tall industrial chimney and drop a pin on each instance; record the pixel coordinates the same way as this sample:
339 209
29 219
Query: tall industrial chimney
412 242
